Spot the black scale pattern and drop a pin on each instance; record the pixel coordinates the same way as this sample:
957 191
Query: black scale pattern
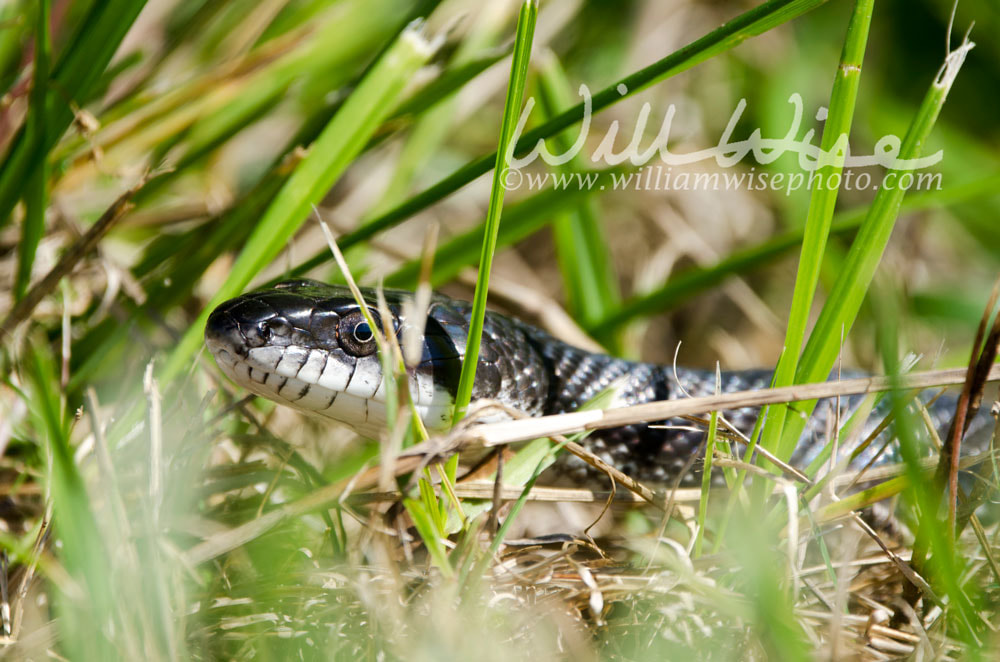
648 453
542 375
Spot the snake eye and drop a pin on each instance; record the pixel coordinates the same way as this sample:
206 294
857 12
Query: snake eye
356 335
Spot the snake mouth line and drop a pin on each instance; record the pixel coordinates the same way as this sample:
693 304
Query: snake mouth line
316 382
365 415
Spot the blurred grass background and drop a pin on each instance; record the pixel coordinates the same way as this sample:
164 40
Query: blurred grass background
205 110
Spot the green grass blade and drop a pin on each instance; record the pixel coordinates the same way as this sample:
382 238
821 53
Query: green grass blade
335 148
16 19
453 79
945 571
581 248
512 108
819 217
424 520
203 113
515 509
841 308
215 129
82 551
34 197
32 229
529 461
82 62
435 105
706 475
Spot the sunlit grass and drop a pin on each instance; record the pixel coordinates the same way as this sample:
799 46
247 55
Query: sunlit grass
153 511
819 217
511 112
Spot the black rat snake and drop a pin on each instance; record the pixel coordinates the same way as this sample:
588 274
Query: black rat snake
306 344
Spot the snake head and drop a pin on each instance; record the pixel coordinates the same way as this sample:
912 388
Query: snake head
308 345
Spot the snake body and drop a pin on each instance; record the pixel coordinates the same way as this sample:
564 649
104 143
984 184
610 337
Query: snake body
307 345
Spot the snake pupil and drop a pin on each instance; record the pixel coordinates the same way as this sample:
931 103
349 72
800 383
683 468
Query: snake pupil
363 332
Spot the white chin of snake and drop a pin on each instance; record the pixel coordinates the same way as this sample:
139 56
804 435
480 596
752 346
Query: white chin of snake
305 380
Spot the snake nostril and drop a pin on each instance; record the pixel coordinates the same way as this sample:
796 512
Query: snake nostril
223 336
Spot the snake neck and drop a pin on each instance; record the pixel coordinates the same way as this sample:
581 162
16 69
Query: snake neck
576 376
